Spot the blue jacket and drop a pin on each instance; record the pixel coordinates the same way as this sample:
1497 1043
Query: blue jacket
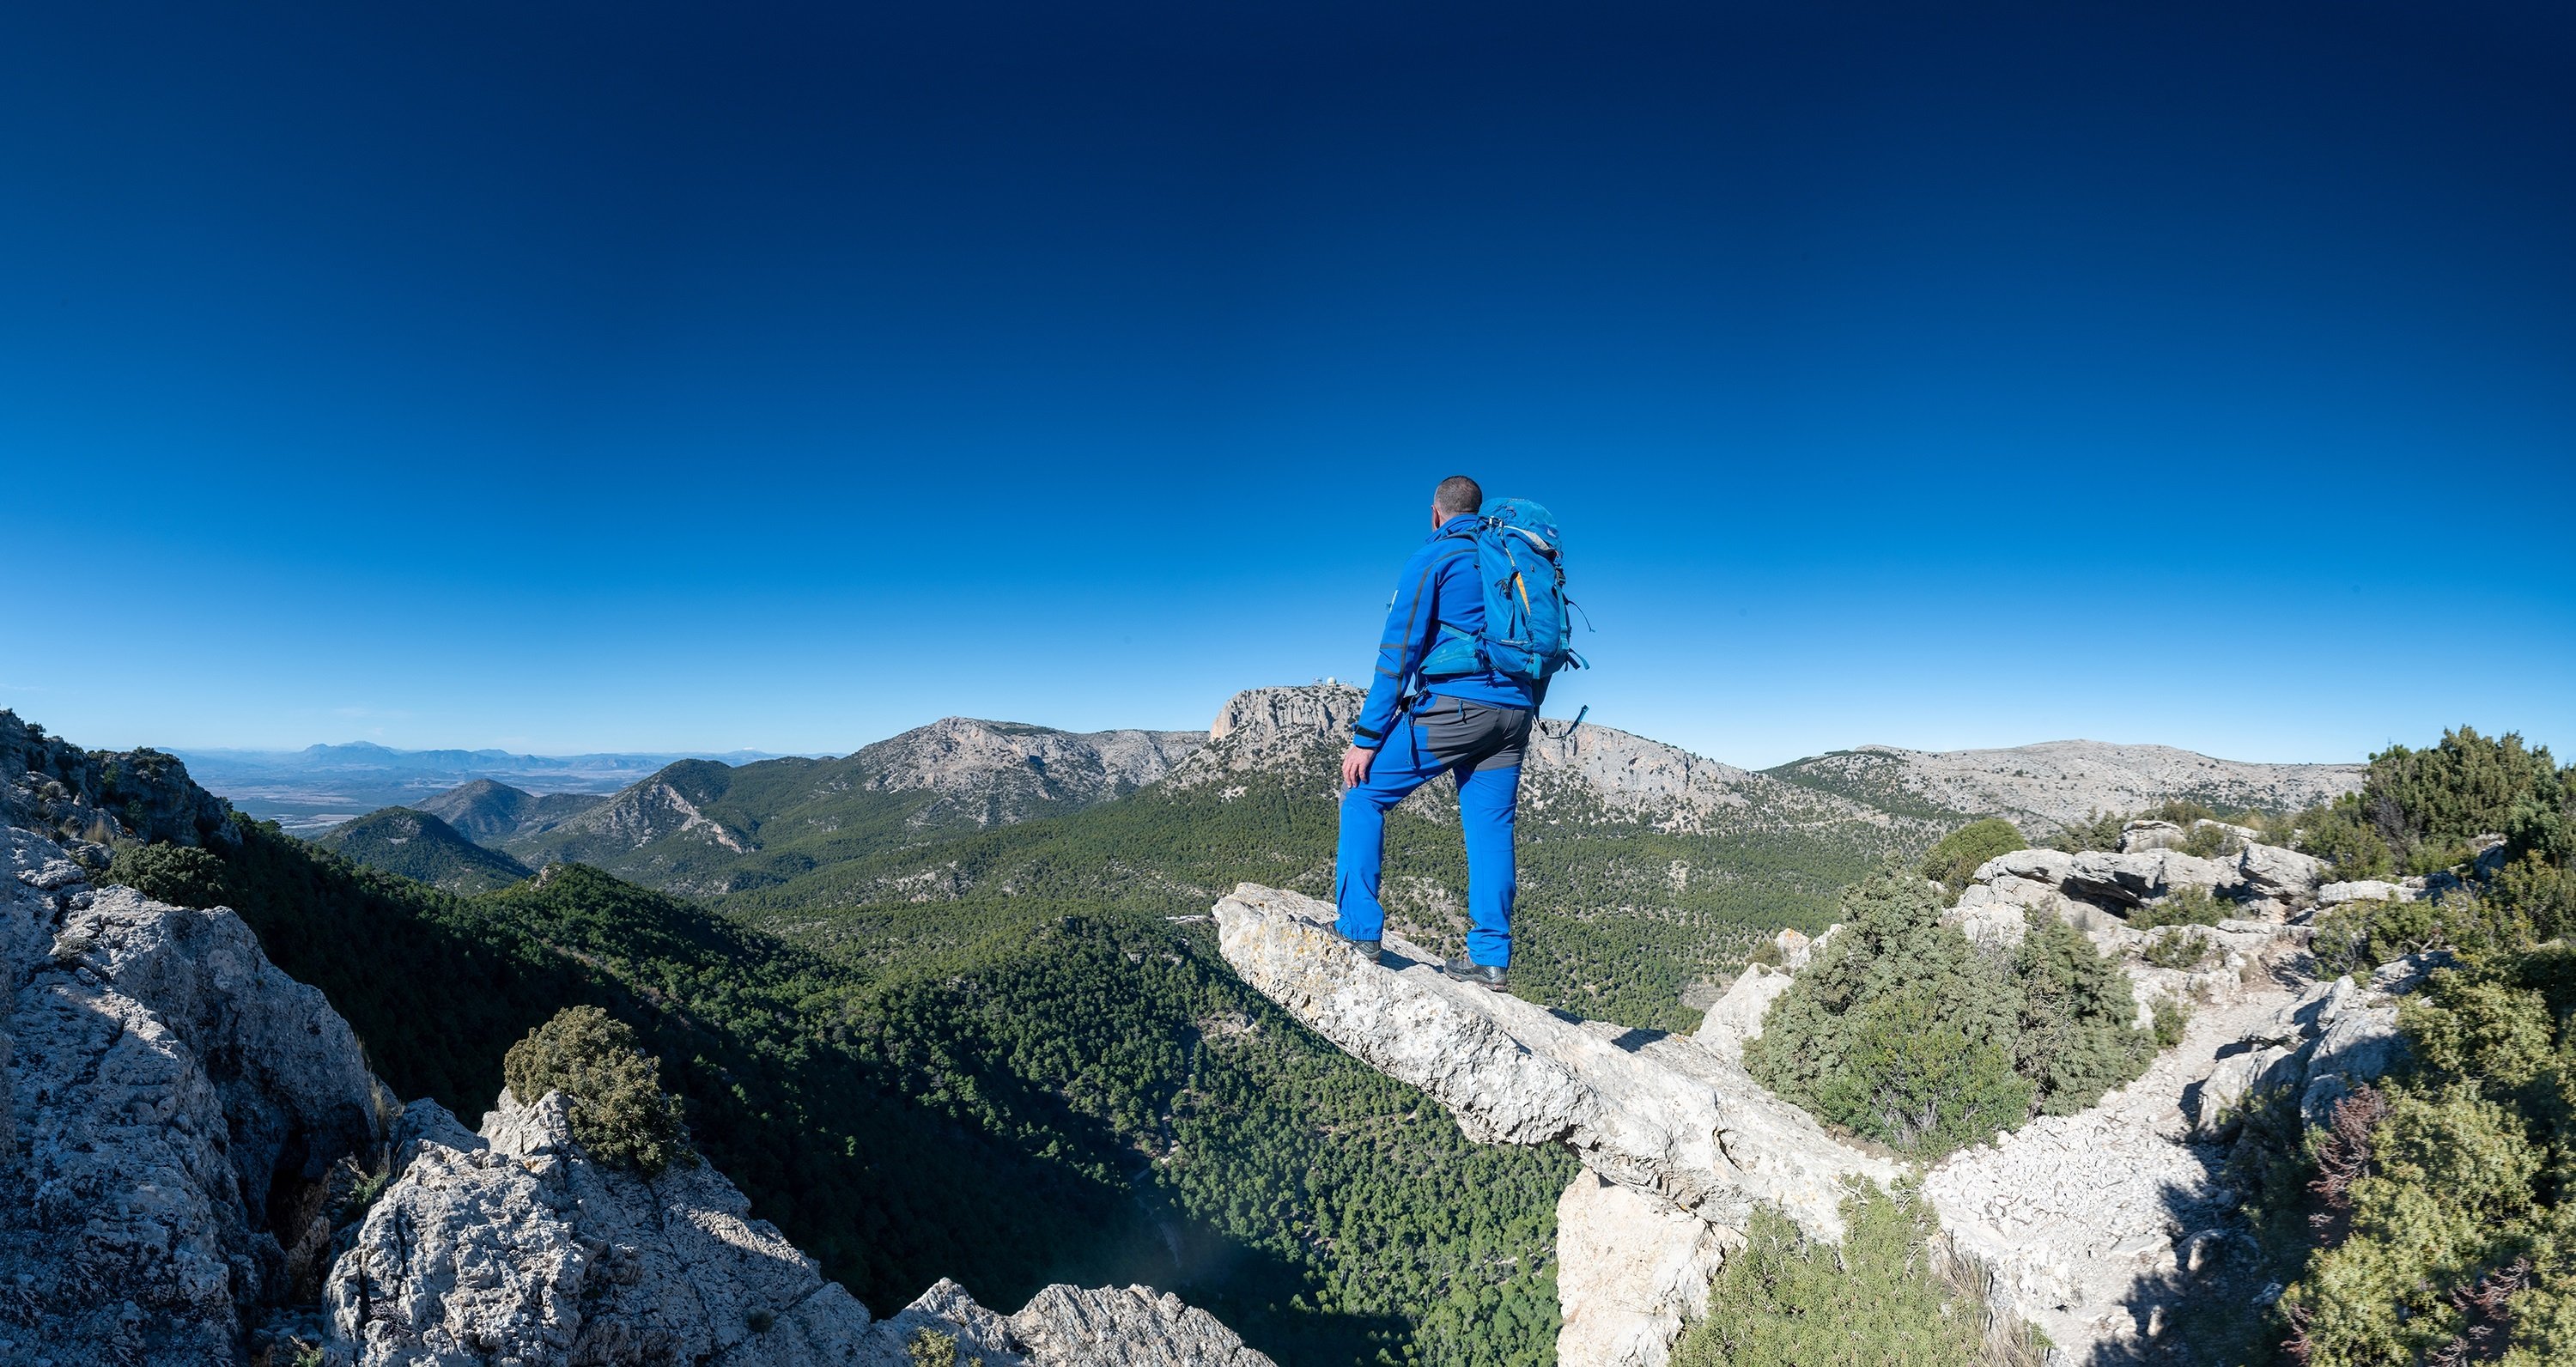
1438 585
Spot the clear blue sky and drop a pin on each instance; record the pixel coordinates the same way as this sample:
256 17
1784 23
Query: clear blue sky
650 377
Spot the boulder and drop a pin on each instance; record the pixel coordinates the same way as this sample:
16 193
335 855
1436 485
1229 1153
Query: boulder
2150 835
2398 977
2361 890
2272 871
2216 1104
2048 867
1736 1018
2358 1045
2121 881
1133 1326
1989 922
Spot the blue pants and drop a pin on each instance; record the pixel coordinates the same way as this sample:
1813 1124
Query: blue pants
1481 748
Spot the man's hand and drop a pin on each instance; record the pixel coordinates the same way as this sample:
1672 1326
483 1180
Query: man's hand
1355 766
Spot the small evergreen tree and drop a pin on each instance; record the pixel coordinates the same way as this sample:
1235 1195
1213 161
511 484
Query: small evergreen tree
1896 1031
620 1114
181 875
2075 1040
1875 1300
1956 858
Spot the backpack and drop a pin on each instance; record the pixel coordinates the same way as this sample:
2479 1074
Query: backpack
1518 559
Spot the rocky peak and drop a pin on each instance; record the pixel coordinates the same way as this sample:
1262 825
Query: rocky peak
86 797
965 757
511 1244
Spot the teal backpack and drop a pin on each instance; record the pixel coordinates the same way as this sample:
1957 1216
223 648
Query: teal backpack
1521 563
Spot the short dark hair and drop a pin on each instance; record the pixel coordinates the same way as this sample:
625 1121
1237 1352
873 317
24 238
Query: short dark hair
1458 494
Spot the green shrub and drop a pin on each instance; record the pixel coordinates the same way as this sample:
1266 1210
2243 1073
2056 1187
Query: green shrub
2357 937
2428 804
1920 1078
1952 861
1901 1031
2211 841
2100 831
2343 836
619 1112
2185 906
1879 1298
2170 1018
931 1348
2448 1235
2074 1040
2184 950
181 875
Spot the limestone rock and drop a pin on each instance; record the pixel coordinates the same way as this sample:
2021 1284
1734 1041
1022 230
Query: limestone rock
1630 1271
2361 890
1990 920
526 1249
2400 976
2150 835
2122 881
2356 1043
1675 1122
2215 1105
60 792
1736 1019
1064 1326
512 1245
2274 871
178 1108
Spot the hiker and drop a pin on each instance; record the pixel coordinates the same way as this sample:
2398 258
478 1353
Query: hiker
1478 701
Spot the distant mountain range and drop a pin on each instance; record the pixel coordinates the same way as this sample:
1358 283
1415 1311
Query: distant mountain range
1647 863
320 786
705 827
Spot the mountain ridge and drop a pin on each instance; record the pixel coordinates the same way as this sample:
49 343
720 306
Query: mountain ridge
423 848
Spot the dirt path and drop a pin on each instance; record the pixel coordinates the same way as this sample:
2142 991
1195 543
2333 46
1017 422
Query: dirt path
2080 1216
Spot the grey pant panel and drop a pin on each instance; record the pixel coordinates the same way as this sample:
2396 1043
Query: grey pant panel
1471 734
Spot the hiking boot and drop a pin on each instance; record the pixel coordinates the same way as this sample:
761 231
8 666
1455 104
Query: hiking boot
1483 975
1375 950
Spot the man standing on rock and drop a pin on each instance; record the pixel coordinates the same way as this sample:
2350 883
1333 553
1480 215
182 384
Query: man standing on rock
1472 725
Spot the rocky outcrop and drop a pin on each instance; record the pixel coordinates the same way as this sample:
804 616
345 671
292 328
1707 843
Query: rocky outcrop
2264 879
512 1245
2045 788
1736 1018
1631 1272
81 799
1064 1326
520 1247
1691 1143
181 1113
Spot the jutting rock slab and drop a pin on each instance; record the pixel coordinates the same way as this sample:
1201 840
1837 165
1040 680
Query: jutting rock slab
1688 1140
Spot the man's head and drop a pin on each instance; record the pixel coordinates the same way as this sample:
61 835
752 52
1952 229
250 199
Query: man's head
1456 494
